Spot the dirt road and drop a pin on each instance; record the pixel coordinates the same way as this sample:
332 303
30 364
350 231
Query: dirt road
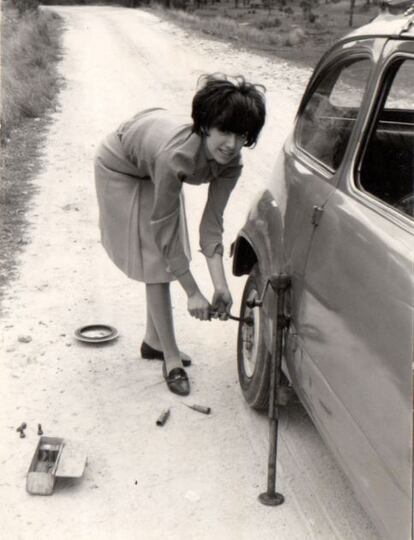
199 476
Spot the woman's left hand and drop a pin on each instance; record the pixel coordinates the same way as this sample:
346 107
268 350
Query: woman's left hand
221 303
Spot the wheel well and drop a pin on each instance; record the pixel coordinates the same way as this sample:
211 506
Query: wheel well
244 257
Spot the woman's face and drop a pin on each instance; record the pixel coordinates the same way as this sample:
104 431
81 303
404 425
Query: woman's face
223 146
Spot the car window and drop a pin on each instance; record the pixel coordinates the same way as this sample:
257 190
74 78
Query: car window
387 167
325 124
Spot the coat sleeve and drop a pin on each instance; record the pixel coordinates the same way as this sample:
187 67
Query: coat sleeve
166 212
211 225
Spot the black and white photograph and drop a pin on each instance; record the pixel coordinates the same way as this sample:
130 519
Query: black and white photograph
207 270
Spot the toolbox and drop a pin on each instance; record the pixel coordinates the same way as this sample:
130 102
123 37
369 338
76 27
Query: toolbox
54 458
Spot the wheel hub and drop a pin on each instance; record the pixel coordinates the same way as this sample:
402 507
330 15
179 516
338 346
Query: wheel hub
250 335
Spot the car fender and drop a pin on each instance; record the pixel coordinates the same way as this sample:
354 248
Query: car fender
260 241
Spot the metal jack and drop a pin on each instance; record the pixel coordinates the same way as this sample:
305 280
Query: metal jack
280 284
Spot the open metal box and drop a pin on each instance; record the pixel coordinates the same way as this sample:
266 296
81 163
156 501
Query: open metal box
54 457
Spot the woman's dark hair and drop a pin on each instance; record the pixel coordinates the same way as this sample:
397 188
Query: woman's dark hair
238 107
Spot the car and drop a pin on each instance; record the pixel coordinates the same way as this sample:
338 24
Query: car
337 217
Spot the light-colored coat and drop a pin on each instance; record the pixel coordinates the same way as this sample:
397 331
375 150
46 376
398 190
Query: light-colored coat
139 172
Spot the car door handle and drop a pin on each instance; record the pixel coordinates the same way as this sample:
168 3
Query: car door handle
316 215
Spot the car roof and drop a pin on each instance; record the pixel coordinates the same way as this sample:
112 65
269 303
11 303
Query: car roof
386 25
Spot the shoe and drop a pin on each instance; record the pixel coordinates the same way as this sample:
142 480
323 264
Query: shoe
177 380
149 353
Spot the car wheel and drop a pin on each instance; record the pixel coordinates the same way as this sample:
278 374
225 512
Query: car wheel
252 355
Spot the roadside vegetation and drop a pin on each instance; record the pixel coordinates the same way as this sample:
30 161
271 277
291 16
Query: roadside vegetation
298 30
30 50
30 45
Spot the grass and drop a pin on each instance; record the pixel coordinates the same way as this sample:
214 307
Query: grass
29 82
30 44
280 31
225 28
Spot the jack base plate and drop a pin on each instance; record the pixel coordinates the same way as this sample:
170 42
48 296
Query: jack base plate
272 499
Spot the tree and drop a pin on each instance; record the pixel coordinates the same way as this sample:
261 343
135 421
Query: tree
268 4
307 9
351 12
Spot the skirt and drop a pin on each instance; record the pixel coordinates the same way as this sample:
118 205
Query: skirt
125 203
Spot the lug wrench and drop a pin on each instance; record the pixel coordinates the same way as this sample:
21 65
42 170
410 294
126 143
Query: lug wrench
245 320
280 284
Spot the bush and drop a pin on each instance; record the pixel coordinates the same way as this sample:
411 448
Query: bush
30 45
179 4
295 36
268 22
24 5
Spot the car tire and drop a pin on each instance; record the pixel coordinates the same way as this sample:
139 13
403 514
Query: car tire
253 359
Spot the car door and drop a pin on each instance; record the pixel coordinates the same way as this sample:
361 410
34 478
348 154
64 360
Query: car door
354 319
312 158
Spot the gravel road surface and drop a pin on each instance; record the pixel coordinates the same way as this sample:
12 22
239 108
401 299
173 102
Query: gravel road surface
198 477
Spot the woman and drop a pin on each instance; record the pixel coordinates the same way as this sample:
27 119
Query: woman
139 172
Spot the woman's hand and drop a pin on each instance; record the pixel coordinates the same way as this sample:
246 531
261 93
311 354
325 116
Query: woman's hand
198 306
222 302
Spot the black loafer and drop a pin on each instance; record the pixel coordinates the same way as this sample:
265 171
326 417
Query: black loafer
149 353
177 380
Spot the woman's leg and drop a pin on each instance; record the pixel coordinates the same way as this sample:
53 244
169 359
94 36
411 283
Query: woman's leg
160 323
151 335
151 338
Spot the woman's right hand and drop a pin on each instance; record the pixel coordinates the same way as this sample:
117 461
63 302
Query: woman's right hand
198 306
